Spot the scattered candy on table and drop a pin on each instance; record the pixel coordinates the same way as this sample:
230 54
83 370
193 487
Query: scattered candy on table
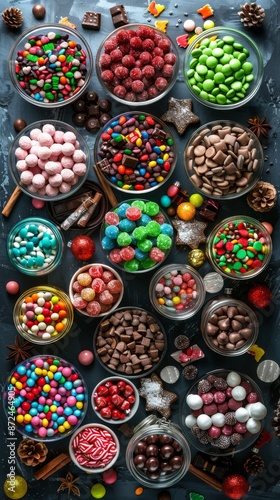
43 314
96 289
186 211
235 486
109 476
83 247
86 357
12 287
61 67
259 295
94 447
196 257
50 397
98 490
137 235
15 487
138 152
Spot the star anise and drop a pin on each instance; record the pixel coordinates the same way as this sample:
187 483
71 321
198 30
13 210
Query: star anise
68 483
259 126
19 351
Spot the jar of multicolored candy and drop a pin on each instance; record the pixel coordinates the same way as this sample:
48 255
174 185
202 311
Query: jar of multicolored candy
43 314
35 246
177 291
158 454
239 247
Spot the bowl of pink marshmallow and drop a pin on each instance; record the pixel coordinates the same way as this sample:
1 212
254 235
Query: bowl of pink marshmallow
49 160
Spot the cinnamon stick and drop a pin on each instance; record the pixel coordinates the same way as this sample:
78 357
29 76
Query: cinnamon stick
108 190
11 202
211 481
53 466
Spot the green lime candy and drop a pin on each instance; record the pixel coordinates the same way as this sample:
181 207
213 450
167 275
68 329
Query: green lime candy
235 64
236 86
140 233
201 69
139 203
164 242
237 266
211 62
219 78
228 39
123 239
241 254
145 245
204 95
131 265
218 52
152 208
208 85
203 59
247 67
152 228
196 53
148 263
221 99
228 49
257 245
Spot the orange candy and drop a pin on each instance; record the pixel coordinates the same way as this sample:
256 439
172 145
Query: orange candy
59 327
186 210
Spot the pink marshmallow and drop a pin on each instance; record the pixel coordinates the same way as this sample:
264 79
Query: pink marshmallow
20 153
44 153
75 180
26 177
34 150
36 170
67 175
53 167
64 187
55 149
67 149
70 137
32 189
55 180
66 162
59 137
38 181
42 191
49 129
31 160
45 139
79 169
21 165
25 142
79 156
45 175
51 190
34 133
42 164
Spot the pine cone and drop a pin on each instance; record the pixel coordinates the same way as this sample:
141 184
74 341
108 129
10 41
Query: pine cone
251 15
12 17
254 465
32 452
262 197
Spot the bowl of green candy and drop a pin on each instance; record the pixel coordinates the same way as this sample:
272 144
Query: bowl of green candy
223 68
136 235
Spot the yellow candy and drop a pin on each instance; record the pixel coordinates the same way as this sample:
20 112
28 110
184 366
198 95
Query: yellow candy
50 375
126 186
256 351
44 372
208 24
176 300
53 368
138 142
159 178
45 422
66 425
161 25
79 405
13 380
61 429
46 388
38 371
18 385
27 418
162 147
165 157
161 301
53 408
152 163
19 419
40 318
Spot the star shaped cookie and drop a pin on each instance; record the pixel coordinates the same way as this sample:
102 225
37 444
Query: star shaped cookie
180 114
157 398
189 233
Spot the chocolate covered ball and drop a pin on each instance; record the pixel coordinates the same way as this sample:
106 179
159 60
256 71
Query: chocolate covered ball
92 125
165 467
104 118
165 439
79 119
104 104
140 448
176 462
177 447
91 97
140 461
79 105
164 495
167 451
152 464
19 124
151 450
39 11
152 439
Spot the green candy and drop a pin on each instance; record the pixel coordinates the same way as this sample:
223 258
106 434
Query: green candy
164 242
123 239
139 204
145 245
140 233
153 228
152 208
257 245
241 254
131 265
148 263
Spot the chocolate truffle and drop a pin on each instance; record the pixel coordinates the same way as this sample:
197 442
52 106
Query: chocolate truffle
104 118
79 105
139 461
79 119
152 464
91 97
104 105
92 125
39 11
19 124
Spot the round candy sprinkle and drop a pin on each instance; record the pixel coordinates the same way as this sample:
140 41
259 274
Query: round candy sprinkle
86 357
15 487
186 210
109 476
38 203
12 287
196 199
49 397
189 25
98 490
83 247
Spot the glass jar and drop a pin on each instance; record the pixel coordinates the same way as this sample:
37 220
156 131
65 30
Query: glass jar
239 247
43 314
153 438
238 330
175 305
35 246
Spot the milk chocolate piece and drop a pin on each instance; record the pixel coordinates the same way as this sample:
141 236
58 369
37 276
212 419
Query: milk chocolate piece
104 105
119 16
79 119
92 125
130 161
92 21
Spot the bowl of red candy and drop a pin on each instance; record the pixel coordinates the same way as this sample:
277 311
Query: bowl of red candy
137 64
95 290
223 413
115 400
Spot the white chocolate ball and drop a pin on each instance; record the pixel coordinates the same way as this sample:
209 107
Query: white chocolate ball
238 393
233 379
190 421
204 422
248 408
218 419
258 410
194 401
253 425
241 414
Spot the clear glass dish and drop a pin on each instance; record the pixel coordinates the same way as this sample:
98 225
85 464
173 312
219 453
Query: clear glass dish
21 65
231 97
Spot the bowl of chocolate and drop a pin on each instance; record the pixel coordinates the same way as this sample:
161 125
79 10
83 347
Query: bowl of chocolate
223 159
135 152
223 413
158 455
50 65
137 64
229 326
49 160
130 342
91 111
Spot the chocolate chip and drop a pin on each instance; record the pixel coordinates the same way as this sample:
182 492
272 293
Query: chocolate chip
119 15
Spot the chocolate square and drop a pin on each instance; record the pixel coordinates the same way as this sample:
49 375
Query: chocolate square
91 21
119 16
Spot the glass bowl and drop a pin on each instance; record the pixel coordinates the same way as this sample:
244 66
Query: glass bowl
132 169
229 326
45 377
41 178
223 421
95 290
177 291
36 50
158 455
140 350
102 440
248 242
223 159
124 400
35 246
136 236
223 68
43 314
137 64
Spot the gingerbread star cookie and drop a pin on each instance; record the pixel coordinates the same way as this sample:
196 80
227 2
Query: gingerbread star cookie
157 398
189 233
180 114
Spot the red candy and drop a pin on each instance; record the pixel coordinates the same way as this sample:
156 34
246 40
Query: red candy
118 402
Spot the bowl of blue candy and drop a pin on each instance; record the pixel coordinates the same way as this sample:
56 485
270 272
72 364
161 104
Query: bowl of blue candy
136 236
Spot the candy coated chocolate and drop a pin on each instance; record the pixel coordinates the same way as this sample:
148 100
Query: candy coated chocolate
39 11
